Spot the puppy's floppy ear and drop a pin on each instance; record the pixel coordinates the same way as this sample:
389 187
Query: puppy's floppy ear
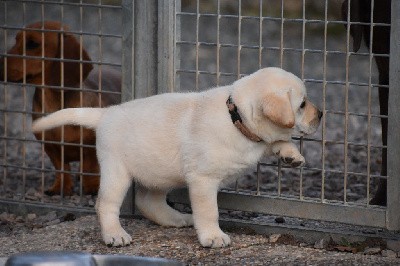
278 109
71 50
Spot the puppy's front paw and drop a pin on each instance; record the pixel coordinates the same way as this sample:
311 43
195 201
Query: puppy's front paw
117 239
295 161
214 240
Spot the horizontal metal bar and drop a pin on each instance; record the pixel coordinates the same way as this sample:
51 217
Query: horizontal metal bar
285 49
53 59
365 216
203 72
83 33
315 169
21 207
58 3
299 20
47 142
355 114
46 170
18 84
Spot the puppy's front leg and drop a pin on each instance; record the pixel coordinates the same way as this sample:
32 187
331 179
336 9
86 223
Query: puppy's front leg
288 153
203 196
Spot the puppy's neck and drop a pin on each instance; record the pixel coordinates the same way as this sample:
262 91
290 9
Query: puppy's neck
237 121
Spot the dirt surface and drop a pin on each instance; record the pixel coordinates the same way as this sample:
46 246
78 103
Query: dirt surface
180 244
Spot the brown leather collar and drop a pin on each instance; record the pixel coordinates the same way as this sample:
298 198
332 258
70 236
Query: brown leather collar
237 121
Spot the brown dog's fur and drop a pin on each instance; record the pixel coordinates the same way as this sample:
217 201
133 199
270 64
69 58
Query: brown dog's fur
48 100
360 11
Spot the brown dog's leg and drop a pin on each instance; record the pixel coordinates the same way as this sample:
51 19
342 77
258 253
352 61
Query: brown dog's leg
54 154
90 183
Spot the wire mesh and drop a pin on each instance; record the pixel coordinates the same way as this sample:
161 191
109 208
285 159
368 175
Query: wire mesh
28 166
311 39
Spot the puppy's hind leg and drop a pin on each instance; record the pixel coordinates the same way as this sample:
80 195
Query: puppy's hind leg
114 184
152 204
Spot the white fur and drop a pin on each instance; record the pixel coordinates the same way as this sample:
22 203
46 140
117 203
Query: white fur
88 117
183 139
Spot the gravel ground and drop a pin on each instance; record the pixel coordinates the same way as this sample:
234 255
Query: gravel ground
83 234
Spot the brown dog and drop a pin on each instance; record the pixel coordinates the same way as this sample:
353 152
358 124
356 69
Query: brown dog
360 11
49 98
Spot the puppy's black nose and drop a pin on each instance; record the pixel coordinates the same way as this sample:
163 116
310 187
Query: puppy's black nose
320 114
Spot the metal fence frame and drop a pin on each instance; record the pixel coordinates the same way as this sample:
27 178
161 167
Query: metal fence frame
162 75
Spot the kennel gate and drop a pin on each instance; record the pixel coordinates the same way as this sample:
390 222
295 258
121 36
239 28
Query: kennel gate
174 45
182 45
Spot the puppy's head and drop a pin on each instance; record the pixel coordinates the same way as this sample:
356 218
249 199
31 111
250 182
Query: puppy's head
278 103
51 40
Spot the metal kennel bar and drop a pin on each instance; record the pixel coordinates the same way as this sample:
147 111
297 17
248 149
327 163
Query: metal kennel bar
393 185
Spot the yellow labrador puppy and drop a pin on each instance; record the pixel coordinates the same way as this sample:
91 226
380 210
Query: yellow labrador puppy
190 139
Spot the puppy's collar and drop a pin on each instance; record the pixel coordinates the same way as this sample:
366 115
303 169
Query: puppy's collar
237 121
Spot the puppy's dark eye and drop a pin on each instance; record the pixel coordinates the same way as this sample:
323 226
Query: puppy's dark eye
303 104
31 44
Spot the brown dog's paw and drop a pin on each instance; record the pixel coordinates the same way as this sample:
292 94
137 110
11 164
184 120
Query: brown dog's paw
57 191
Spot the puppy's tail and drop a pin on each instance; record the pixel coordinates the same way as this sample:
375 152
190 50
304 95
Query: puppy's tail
87 117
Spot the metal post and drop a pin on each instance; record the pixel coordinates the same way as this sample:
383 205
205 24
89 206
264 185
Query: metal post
393 150
149 54
127 90
168 53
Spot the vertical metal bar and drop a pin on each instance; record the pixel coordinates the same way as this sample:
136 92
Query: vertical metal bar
43 100
177 27
145 43
371 34
393 182
197 42
258 178
260 27
100 41
260 50
128 71
281 65
81 159
62 104
147 68
279 177
239 37
218 41
303 55
128 67
346 113
324 103
24 105
5 117
166 45
281 41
